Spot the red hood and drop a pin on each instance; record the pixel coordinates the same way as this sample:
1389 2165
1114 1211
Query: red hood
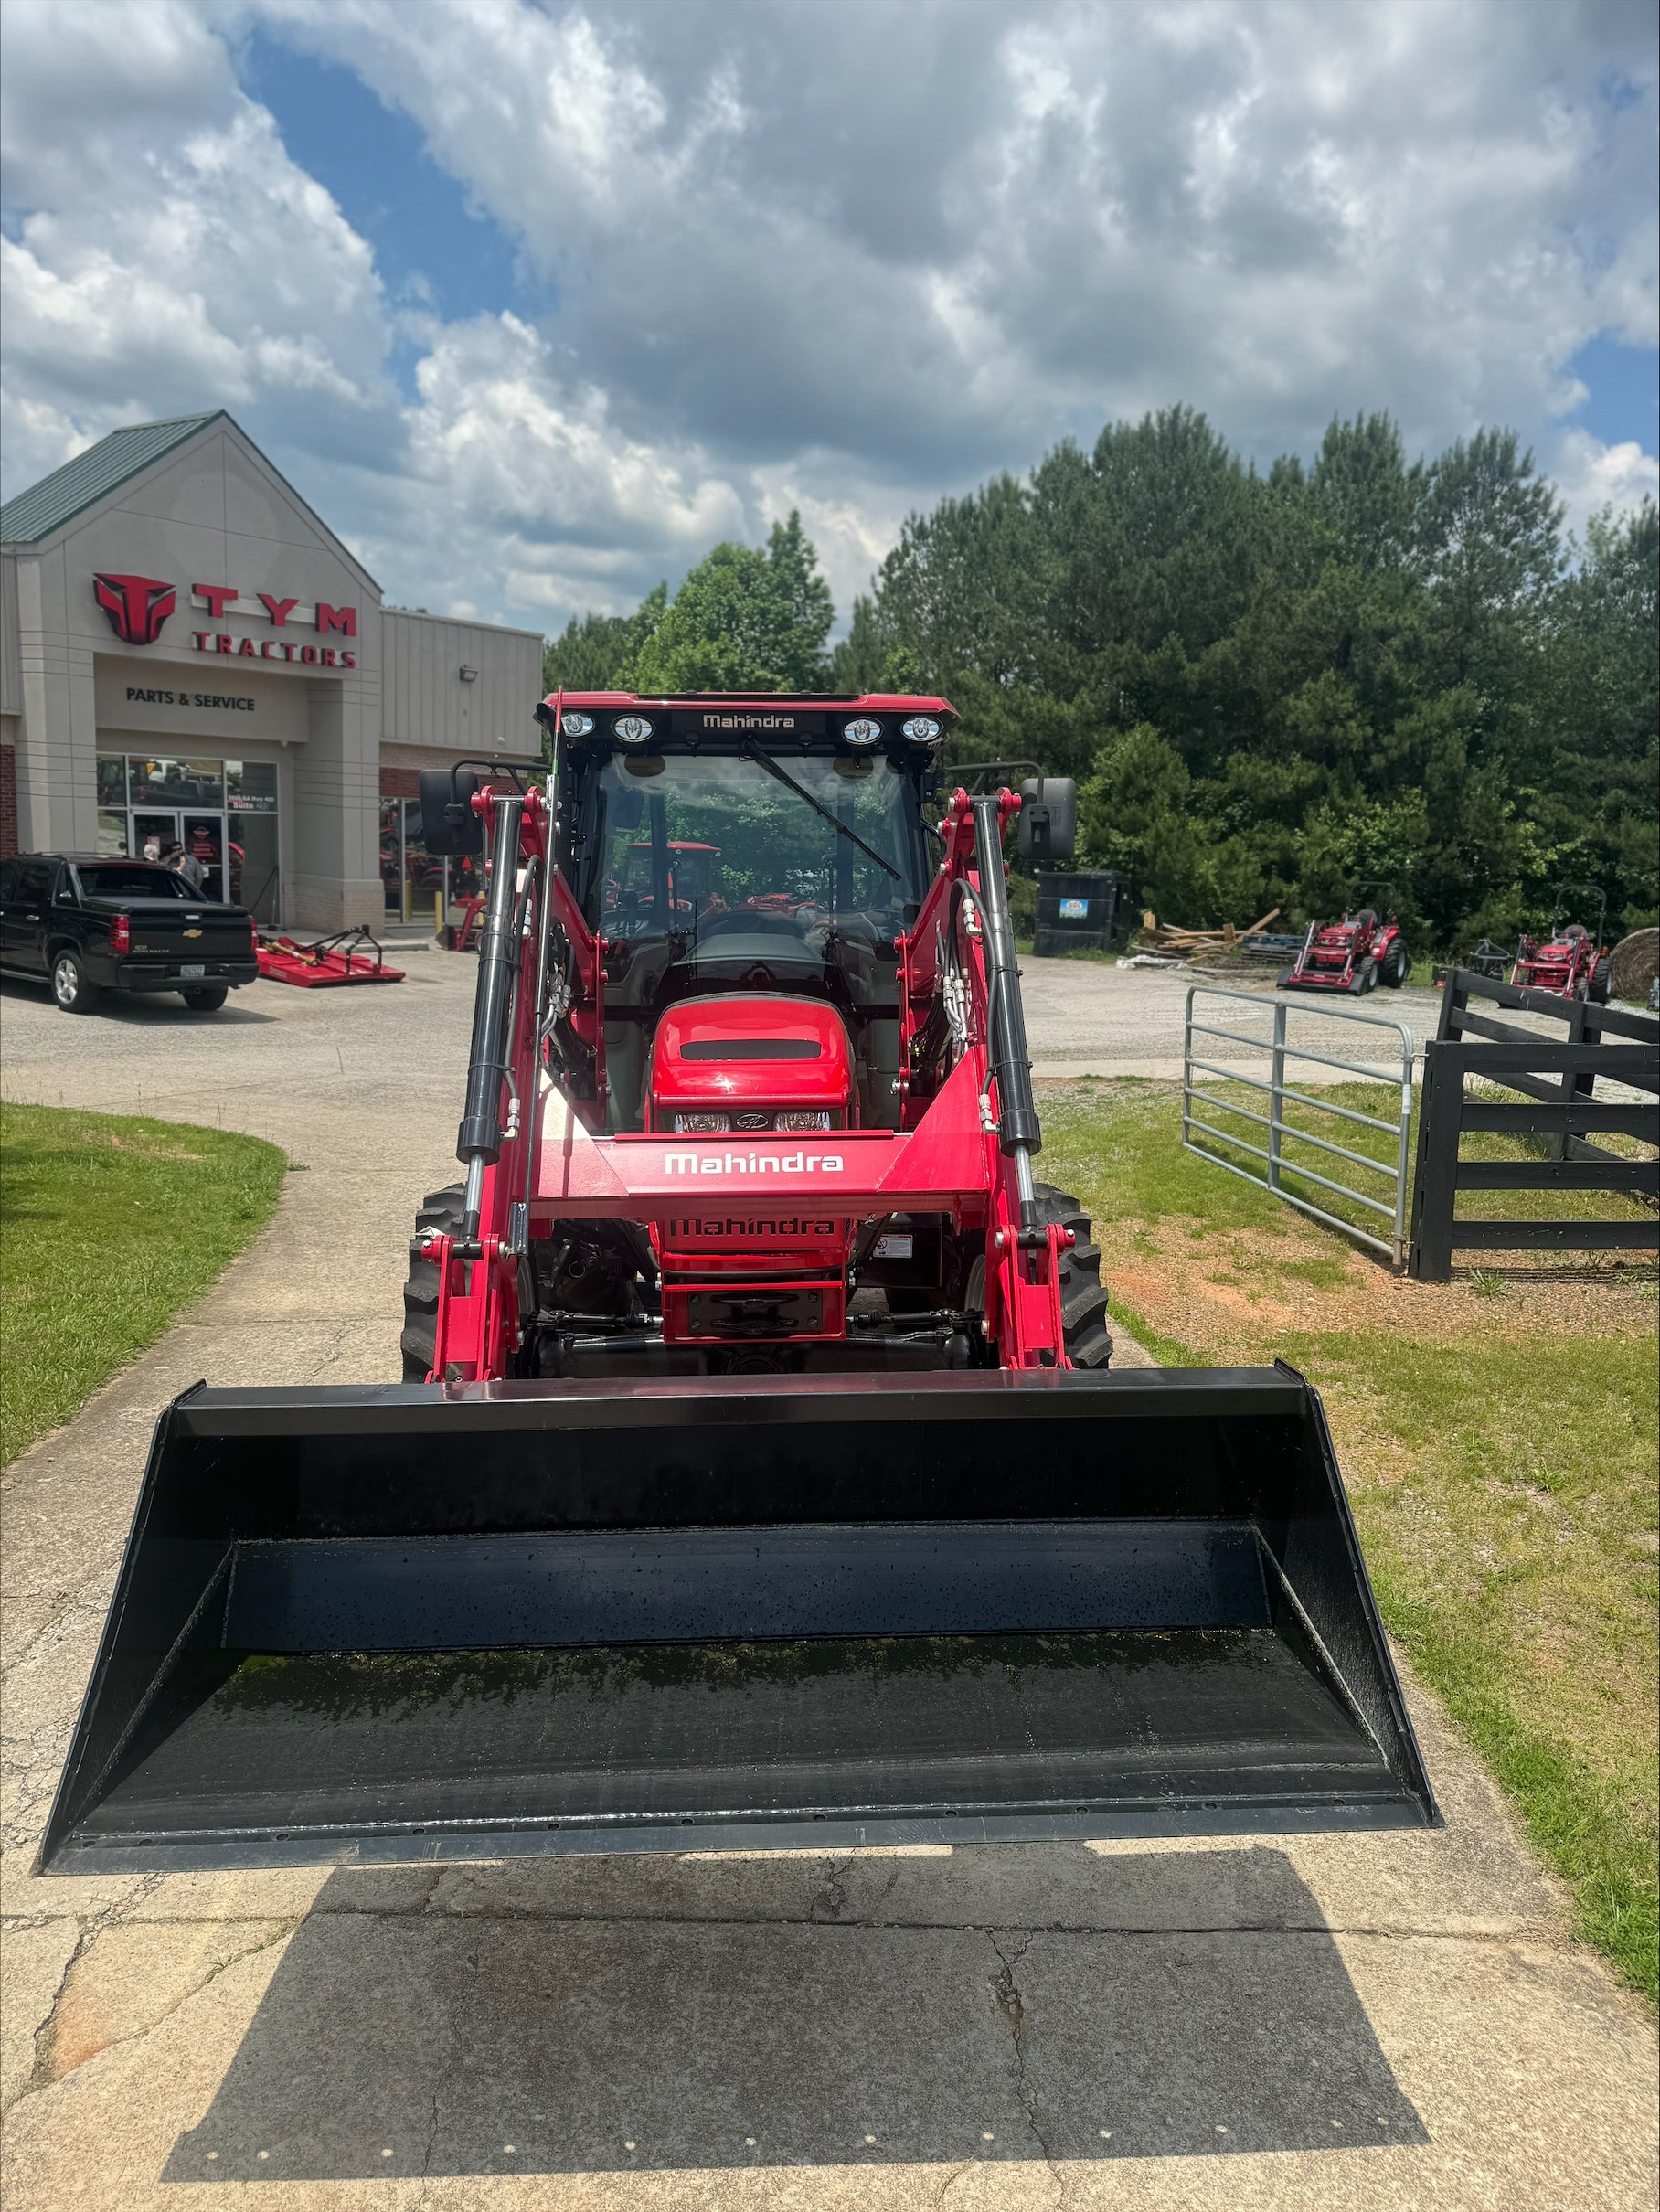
751 1052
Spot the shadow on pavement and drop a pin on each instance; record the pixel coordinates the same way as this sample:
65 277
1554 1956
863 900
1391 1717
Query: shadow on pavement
140 1009
508 2039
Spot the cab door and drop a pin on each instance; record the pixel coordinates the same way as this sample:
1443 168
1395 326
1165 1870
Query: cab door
23 919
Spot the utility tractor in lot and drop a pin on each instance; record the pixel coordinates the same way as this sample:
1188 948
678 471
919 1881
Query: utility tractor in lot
1569 960
760 1476
1353 955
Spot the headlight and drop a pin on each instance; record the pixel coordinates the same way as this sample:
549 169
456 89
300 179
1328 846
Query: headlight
633 728
575 725
701 1124
804 1121
921 729
862 731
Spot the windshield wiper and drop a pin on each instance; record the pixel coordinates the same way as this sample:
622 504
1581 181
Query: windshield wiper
752 752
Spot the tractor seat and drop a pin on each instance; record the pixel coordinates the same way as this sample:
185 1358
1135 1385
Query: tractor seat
1366 919
1573 932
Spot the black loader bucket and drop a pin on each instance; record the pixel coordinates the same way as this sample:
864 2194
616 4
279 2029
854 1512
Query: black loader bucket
426 1622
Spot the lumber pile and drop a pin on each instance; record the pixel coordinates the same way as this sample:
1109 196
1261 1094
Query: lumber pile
1174 942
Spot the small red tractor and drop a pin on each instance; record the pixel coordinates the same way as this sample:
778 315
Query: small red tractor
1569 961
759 1478
1364 948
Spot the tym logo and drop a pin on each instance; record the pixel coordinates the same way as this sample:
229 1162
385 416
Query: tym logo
752 1163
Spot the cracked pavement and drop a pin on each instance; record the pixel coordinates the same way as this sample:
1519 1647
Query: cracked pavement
1383 2021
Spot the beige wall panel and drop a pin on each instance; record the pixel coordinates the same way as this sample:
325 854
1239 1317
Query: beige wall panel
183 707
188 489
11 664
426 703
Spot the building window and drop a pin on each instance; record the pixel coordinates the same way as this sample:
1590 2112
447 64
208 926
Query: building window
222 812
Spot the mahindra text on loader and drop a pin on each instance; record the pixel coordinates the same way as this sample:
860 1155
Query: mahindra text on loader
759 1477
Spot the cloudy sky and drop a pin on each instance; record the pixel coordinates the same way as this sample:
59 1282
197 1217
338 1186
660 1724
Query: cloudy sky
534 302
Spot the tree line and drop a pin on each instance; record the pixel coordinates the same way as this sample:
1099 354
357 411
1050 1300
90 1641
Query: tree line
1274 686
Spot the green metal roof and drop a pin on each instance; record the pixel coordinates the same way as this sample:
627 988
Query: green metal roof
83 482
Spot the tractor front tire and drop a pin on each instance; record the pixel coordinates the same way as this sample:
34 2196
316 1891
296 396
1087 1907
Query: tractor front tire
1083 1303
442 1210
1366 977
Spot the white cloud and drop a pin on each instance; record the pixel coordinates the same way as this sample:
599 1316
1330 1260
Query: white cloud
845 262
1590 475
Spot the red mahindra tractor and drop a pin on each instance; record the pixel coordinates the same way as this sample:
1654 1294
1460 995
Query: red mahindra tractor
758 1477
1356 954
1570 961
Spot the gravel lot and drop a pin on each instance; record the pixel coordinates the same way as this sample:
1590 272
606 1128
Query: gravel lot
1385 2021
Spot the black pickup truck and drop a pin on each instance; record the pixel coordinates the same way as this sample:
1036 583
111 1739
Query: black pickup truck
87 925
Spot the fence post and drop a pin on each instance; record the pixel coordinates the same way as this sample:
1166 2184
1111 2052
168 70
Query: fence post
1276 1096
1187 1067
1435 1188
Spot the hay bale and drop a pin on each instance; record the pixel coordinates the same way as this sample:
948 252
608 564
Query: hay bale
1635 962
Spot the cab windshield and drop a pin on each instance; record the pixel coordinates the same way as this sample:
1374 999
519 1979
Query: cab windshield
731 871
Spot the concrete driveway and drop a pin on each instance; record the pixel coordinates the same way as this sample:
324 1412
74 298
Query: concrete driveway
1390 2022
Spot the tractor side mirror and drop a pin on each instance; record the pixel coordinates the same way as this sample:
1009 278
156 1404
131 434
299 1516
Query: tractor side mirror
448 825
1047 825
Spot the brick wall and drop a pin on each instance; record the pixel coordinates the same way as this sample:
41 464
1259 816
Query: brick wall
8 802
399 782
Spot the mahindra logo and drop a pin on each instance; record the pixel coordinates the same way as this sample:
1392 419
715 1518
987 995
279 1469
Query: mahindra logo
752 1163
137 606
748 721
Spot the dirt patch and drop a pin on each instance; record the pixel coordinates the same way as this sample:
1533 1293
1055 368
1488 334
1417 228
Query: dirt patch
147 1148
1218 1290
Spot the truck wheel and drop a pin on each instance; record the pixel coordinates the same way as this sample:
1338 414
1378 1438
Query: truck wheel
442 1210
73 989
205 998
1083 1303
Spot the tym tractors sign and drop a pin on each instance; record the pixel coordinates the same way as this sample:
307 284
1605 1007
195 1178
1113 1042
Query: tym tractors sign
138 608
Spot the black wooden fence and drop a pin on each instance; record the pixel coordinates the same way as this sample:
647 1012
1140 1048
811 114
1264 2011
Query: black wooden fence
1555 1079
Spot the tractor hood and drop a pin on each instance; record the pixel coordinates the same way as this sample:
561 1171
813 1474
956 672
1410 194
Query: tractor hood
751 1058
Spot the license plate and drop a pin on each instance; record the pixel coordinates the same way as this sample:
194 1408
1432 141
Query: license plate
192 970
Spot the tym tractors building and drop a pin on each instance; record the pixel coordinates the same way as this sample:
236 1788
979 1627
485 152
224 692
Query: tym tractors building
187 652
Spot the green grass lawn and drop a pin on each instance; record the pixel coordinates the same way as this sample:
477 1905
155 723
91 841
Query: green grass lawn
109 1226
1498 1435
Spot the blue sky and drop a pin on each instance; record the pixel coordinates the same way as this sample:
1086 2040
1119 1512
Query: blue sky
1624 384
536 301
376 164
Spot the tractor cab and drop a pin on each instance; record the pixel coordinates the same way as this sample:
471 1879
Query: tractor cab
742 848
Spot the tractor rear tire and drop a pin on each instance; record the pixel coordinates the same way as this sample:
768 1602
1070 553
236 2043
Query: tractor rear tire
442 1210
1397 967
1083 1303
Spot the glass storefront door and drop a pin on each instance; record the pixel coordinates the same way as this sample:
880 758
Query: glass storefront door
224 815
153 834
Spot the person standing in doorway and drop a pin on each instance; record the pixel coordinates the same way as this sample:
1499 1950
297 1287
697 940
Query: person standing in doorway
188 866
152 847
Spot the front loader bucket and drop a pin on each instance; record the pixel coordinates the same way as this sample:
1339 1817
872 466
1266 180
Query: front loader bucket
464 1622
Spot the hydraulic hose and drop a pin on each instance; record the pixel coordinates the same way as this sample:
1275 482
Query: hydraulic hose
1020 1135
478 1142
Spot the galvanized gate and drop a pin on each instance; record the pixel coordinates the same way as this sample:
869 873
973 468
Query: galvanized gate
1276 1045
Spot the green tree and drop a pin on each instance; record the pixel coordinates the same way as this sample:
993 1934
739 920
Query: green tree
592 651
743 620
